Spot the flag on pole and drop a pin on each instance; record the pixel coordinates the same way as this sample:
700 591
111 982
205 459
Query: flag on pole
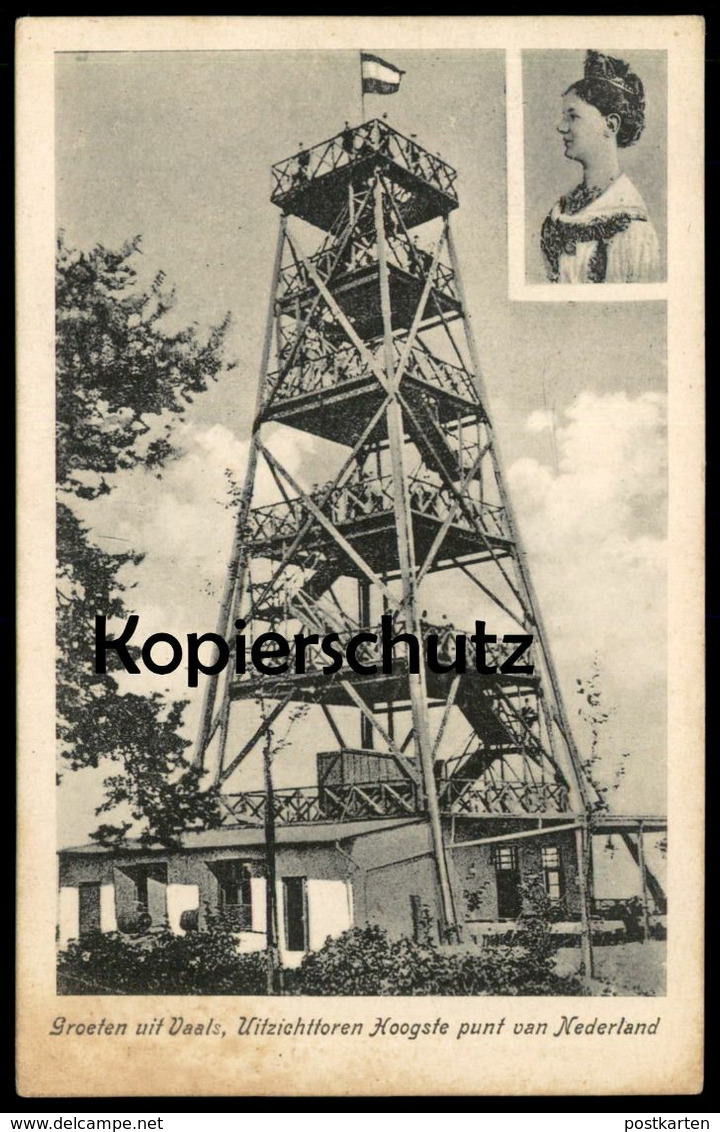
378 76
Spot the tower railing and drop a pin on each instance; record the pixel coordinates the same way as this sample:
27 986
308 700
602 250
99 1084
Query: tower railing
295 279
469 797
355 145
362 801
314 374
362 497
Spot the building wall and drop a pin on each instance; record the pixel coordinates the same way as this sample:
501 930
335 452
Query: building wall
475 876
192 885
68 914
388 893
532 866
181 898
389 845
387 877
330 908
329 913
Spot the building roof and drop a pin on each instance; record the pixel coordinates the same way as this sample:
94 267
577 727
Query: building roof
617 823
319 833
227 838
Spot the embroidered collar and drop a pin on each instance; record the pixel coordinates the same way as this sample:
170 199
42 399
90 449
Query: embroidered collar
559 237
585 215
578 198
591 204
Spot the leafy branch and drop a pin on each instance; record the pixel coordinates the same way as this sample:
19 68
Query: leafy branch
123 381
602 773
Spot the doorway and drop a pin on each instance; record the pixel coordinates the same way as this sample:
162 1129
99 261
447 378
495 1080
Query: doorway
89 909
295 913
507 880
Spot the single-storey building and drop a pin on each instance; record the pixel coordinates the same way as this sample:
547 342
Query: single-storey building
330 877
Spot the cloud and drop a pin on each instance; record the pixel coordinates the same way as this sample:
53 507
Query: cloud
182 521
539 421
594 531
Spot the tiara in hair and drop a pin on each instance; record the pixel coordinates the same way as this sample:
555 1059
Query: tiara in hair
608 70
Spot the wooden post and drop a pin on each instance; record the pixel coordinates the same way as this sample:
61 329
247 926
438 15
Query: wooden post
364 616
643 881
582 849
351 218
272 952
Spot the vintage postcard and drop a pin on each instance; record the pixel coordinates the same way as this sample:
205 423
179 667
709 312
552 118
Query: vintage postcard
360 389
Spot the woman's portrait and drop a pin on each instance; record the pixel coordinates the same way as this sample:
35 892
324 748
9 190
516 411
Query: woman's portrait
605 223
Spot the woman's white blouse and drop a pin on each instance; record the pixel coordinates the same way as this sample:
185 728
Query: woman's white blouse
630 255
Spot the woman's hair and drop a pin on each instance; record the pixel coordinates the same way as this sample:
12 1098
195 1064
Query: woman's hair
611 87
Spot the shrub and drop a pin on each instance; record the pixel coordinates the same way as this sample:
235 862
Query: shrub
160 963
362 961
658 930
365 961
631 913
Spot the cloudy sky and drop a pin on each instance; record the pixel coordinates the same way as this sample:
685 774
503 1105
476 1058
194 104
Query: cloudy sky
177 147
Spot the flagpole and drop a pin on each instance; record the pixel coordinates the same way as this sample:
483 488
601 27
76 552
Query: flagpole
362 93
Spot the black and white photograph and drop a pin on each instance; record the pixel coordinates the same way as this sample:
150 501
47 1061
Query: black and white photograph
361 564
595 141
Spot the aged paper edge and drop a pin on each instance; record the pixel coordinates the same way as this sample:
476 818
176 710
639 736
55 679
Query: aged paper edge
50 1068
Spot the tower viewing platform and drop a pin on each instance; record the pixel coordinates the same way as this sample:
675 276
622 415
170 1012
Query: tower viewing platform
313 183
313 393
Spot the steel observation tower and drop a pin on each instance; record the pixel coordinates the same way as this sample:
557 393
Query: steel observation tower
369 345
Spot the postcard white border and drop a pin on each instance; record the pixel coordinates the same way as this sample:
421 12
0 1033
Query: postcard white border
46 1068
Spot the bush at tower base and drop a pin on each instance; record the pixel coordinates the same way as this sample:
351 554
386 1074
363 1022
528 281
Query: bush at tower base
362 961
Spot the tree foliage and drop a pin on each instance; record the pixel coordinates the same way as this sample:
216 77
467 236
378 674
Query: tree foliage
603 771
120 371
123 381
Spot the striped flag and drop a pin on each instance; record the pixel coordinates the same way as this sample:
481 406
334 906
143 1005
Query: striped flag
378 76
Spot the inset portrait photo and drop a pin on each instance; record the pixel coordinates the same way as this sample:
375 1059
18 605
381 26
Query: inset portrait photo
595 169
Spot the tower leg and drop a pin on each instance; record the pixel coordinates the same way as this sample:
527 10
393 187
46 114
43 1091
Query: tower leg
272 953
365 619
579 791
228 600
643 882
406 553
